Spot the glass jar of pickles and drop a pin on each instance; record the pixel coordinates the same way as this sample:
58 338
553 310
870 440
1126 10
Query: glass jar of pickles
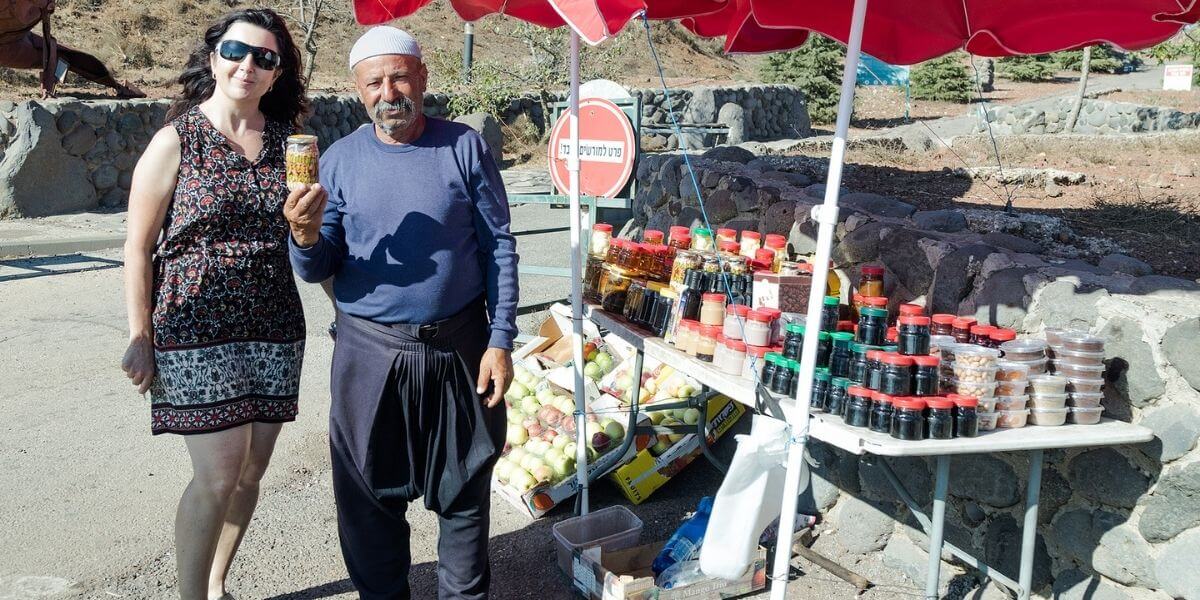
685 260
301 158
726 235
751 242
778 243
601 237
702 240
652 236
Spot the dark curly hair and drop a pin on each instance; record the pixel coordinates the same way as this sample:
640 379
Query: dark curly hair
287 100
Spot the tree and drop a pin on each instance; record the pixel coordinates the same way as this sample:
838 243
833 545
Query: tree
1083 77
944 78
815 68
1026 68
1104 59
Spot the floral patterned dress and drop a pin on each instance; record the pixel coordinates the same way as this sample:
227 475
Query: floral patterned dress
228 324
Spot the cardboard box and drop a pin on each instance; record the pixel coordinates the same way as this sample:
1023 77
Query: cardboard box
788 293
626 575
647 472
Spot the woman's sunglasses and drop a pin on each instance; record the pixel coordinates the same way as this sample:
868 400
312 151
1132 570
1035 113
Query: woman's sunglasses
235 51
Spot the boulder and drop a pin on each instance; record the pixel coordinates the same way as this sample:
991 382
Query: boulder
1181 346
1131 367
489 128
1174 507
37 176
948 221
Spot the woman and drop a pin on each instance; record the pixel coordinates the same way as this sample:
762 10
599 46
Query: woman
216 326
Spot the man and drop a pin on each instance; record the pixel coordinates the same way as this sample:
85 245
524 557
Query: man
416 237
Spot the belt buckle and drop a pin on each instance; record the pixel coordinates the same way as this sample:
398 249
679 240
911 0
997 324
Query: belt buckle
428 332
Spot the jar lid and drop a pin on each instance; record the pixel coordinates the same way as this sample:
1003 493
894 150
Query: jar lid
939 403
842 336
711 331
765 254
736 345
832 301
926 361
301 138
875 354
740 310
892 334
842 382
650 234
911 309
605 227
858 390
793 328
858 348
961 400
985 330
824 335
702 231
876 302
822 375
774 313
943 319
1024 346
730 246
910 319
881 398
678 229
910 403
774 240
760 316
897 359
684 238
754 235
874 312
872 270
773 357
890 348
963 322
726 232
1003 334
713 297
758 351
689 324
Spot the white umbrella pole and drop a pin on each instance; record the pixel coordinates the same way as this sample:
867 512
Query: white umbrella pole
826 215
581 440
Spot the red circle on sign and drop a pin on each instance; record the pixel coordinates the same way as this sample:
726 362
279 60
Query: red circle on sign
607 148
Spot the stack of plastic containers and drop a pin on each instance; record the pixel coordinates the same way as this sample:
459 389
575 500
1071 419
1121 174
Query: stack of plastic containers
975 368
1079 358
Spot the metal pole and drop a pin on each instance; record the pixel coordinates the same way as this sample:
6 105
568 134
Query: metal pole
937 527
468 50
581 437
798 419
1029 532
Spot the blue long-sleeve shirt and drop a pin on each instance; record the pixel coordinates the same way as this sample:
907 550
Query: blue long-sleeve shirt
414 232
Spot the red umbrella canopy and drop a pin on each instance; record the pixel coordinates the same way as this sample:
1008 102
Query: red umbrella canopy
897 31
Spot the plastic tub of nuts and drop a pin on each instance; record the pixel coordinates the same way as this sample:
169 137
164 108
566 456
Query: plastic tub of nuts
1086 400
1073 372
1086 386
1011 419
1078 341
1011 388
966 372
1085 416
1011 402
1024 349
1049 400
1048 417
1007 370
979 389
1075 357
969 355
987 420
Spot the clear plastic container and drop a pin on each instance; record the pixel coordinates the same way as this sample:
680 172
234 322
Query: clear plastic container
1007 370
1049 400
1036 367
1012 402
987 420
1012 388
1086 400
1024 350
1074 357
978 389
1078 341
1012 419
966 372
970 355
937 341
987 405
1080 371
1048 384
1054 335
611 528
1048 417
1086 416
1085 386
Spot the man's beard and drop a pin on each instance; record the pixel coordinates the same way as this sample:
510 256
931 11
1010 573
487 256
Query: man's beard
404 106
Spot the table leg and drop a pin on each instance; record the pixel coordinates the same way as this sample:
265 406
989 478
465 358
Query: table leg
937 527
1029 534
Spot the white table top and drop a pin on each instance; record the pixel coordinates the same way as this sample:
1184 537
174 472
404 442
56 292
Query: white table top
831 430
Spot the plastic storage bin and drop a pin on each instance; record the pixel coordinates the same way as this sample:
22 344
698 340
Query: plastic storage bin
612 528
1086 416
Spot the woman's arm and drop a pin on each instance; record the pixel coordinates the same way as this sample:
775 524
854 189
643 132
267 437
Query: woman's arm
150 193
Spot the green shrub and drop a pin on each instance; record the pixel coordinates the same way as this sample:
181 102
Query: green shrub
1104 60
944 79
1025 68
815 68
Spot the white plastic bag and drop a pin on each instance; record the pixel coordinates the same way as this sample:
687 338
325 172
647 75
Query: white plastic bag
749 499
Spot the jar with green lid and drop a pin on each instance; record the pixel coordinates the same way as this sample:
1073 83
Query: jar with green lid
702 240
831 312
768 371
824 348
872 326
784 378
793 340
858 362
838 394
820 390
839 357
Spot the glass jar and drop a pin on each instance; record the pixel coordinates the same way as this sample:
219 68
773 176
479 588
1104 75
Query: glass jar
710 264
613 256
908 422
735 320
871 281
633 298
961 329
769 367
830 313
730 356
910 310
981 335
942 324
872 326
601 237
702 240
614 283
1001 335
737 265
765 259
660 321
751 242
793 341
940 422
839 356
897 375
756 358
712 309
824 348
680 242
774 317
925 375
706 342
882 410
591 278
778 244
913 335
685 336
966 416
874 369
757 329
820 390
781 383
300 160
727 249
858 363
726 234
838 395
645 316
858 407
652 236
685 260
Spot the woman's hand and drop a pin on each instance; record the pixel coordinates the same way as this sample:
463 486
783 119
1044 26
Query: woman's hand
138 363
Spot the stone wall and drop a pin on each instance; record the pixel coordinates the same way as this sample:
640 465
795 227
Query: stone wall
1118 523
1095 117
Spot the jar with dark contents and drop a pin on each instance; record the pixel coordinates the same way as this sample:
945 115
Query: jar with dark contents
925 375
633 298
981 335
872 326
858 407
966 416
858 363
961 329
882 410
820 390
794 365
793 342
897 375
591 278
908 423
663 309
874 369
913 335
781 383
830 313
942 324
940 421
838 396
824 348
839 356
768 371
614 284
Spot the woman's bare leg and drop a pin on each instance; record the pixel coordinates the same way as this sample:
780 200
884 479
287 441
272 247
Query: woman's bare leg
217 462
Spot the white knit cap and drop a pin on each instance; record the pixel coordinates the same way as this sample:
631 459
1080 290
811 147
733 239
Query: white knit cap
381 40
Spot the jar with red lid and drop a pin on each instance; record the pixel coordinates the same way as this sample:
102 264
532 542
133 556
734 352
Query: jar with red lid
966 415
1001 335
680 238
942 324
962 329
730 356
913 334
728 249
778 244
911 310
601 239
736 316
875 369
712 309
706 342
750 243
896 379
652 236
756 330
882 410
981 335
892 336
766 256
858 406
939 424
774 315
925 375
870 284
908 422
726 234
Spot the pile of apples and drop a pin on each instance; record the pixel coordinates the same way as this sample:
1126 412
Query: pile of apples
540 438
663 383
597 362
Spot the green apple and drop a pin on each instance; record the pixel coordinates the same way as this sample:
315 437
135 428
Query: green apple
691 416
569 449
592 371
529 463
503 468
516 434
517 390
542 473
674 437
686 391
516 454
551 455
529 405
562 466
614 429
593 427
624 382
661 445
560 441
650 387
544 395
515 415
520 479
605 360
657 416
